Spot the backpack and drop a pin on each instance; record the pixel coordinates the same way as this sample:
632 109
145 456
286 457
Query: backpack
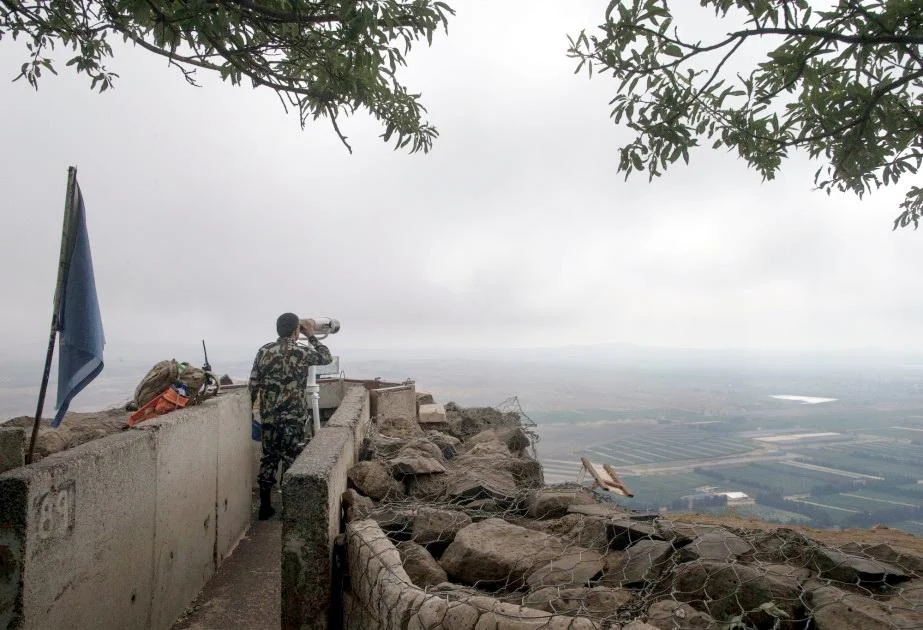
164 374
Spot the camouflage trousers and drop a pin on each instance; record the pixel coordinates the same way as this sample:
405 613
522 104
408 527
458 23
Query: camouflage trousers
283 440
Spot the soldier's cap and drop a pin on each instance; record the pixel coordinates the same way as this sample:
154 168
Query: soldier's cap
286 324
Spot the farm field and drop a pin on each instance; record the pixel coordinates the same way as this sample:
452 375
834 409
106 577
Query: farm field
667 446
655 491
773 475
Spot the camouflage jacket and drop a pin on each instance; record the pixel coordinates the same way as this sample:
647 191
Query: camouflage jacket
279 377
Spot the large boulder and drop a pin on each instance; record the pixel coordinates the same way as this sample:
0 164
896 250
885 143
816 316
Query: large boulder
386 447
574 567
468 421
642 563
624 533
437 527
909 595
553 503
373 479
669 614
843 567
433 488
585 531
415 464
396 522
358 507
729 590
835 609
478 480
495 553
447 444
783 546
421 567
906 560
598 601
800 574
423 447
718 544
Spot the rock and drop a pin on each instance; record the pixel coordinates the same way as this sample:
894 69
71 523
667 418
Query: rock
610 510
466 422
637 624
729 590
424 399
801 574
670 614
496 553
357 506
225 380
783 546
433 526
575 567
835 609
373 479
599 601
386 447
551 503
447 444
719 544
399 427
843 567
681 534
480 482
514 439
640 564
909 562
421 567
432 488
397 523
624 533
585 531
527 472
411 464
423 447
909 595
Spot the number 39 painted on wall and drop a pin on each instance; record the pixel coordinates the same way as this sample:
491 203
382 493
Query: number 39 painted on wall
56 512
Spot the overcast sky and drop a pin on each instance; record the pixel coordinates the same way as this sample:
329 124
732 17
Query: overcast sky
210 212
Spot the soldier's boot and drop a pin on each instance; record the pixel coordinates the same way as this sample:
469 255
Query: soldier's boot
266 509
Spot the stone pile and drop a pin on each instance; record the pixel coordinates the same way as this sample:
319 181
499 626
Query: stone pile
465 507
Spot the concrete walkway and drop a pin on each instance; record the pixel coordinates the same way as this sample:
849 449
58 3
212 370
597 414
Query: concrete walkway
245 593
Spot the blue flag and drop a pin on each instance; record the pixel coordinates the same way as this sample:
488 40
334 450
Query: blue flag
80 353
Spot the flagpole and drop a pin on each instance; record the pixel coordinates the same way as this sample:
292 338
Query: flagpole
63 268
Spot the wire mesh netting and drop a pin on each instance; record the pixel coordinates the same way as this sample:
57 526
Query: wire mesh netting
453 528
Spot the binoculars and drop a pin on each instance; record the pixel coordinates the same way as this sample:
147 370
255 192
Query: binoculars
325 325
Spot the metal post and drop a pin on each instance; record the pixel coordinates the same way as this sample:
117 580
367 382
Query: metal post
63 268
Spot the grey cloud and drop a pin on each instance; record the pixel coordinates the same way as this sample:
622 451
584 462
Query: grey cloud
210 212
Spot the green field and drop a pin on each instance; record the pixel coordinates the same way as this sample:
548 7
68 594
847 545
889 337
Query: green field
655 491
766 475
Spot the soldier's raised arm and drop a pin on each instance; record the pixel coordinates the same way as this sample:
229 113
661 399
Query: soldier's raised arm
318 353
255 377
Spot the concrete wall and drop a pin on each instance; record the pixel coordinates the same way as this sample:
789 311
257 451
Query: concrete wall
398 401
311 494
382 596
12 448
124 531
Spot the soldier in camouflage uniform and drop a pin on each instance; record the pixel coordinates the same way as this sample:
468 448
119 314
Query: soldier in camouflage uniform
279 380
